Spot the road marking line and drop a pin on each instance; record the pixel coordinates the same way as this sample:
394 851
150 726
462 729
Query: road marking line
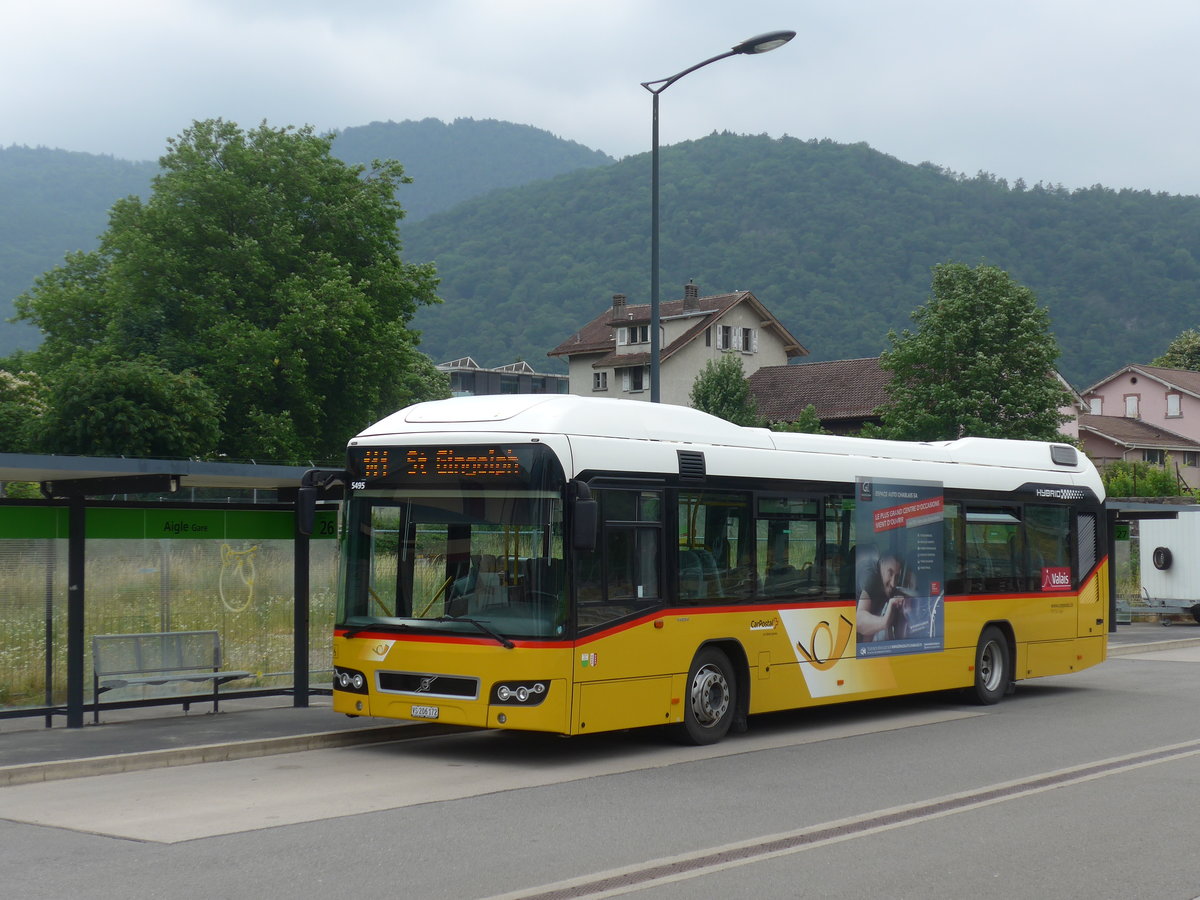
616 882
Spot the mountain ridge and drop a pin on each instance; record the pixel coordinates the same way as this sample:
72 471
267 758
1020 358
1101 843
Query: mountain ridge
838 240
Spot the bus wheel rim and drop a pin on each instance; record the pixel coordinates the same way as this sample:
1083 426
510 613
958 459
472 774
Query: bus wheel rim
990 666
710 695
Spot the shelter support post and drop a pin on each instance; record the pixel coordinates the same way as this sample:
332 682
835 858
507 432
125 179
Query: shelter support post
300 564
76 542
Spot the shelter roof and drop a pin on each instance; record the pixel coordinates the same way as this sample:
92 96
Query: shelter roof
191 473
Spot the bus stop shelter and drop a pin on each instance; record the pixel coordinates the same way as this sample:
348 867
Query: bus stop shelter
1122 513
143 545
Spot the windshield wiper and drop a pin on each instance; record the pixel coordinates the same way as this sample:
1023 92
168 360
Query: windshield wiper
355 630
501 639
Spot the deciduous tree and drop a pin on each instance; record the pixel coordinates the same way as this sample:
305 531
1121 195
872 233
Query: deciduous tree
808 422
267 269
721 389
128 408
1183 352
981 363
22 404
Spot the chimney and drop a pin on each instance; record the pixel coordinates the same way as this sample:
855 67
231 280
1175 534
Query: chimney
691 297
618 306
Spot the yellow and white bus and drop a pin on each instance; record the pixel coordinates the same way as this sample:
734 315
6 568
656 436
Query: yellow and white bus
579 565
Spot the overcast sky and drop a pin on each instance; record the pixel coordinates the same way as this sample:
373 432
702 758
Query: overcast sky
1076 92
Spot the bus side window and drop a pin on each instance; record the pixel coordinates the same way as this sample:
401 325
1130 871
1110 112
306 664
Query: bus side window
789 564
840 551
715 547
995 550
621 576
952 548
1048 533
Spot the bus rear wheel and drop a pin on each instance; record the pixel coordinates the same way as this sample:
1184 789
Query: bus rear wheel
993 667
711 701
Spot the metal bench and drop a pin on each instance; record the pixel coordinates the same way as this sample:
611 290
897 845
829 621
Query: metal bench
122 660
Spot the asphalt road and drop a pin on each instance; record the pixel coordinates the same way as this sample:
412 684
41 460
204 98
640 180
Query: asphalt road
1080 786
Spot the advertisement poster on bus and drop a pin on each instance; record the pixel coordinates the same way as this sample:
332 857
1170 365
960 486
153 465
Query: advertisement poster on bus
900 580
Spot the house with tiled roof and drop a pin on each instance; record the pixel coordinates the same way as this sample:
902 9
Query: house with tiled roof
844 392
1169 398
1145 414
610 355
1107 439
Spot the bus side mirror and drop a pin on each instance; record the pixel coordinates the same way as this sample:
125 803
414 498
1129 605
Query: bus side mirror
313 484
306 510
585 517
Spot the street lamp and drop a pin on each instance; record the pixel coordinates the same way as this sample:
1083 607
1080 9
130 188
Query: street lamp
758 44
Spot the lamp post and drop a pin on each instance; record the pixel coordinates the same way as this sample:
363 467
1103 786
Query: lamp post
758 44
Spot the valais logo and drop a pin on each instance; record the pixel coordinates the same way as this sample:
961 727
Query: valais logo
1056 578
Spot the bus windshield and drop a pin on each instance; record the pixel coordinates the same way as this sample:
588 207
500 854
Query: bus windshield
461 560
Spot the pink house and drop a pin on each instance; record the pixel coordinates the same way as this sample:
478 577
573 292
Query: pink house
1145 414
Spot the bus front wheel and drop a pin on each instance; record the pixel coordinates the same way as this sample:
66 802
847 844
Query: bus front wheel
993 667
711 701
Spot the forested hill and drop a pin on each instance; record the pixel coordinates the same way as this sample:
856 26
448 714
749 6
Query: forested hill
53 201
453 162
838 241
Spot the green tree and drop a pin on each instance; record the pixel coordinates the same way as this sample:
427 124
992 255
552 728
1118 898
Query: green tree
265 268
1139 479
1182 353
128 407
808 422
721 389
22 405
981 363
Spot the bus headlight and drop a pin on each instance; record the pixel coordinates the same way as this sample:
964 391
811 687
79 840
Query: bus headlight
519 693
350 680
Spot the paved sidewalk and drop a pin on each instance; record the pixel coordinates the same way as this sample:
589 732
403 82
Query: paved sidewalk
1140 637
160 736
155 737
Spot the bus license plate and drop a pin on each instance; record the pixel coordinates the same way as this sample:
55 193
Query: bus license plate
424 712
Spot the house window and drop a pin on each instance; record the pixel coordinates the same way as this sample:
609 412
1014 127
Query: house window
599 381
1131 406
749 340
1096 406
1190 458
1174 410
724 337
633 334
633 379
1155 457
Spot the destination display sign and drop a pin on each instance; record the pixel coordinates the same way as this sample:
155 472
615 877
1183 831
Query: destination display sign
440 463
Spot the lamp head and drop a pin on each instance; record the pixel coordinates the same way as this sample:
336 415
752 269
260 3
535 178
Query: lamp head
762 43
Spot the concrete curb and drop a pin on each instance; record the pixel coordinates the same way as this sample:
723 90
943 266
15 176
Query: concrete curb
56 770
1151 646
